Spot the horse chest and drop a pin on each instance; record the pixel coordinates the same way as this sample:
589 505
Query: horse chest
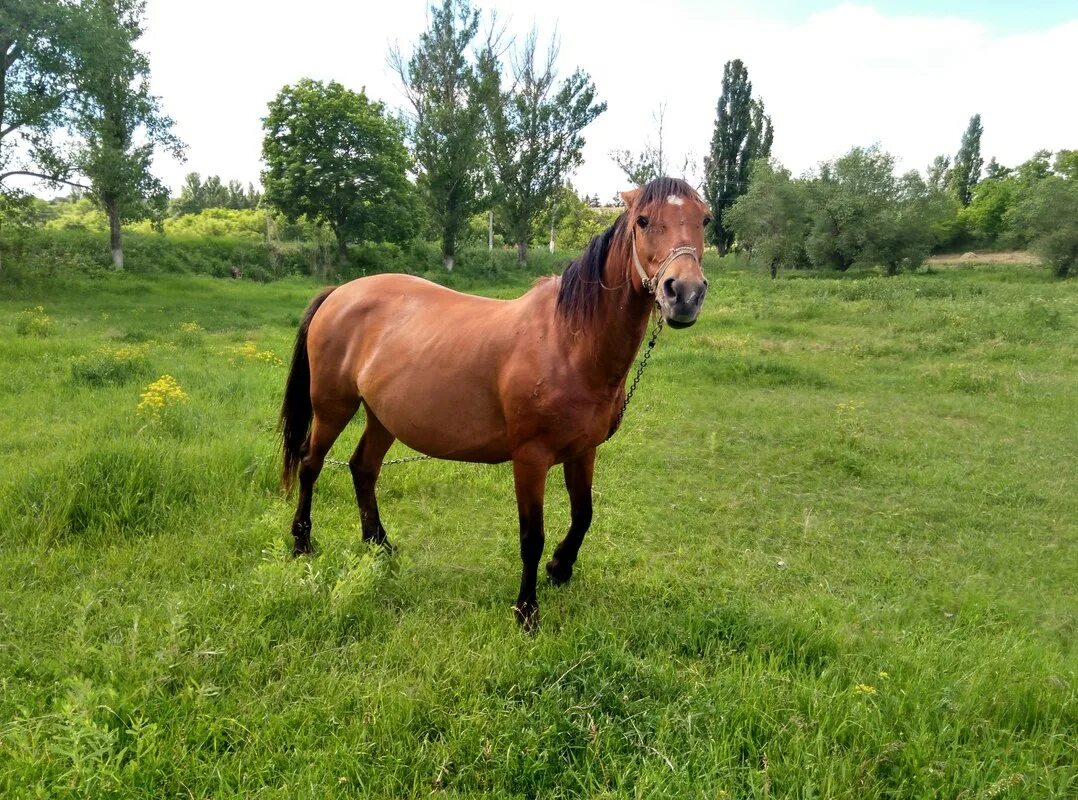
567 418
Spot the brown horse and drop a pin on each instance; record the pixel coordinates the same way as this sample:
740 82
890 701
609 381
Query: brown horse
538 380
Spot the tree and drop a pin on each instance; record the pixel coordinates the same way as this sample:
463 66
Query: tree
37 45
650 163
535 137
967 163
196 196
743 133
1066 164
1036 169
1048 216
576 220
118 121
987 212
863 215
445 125
993 170
907 227
335 156
771 220
939 172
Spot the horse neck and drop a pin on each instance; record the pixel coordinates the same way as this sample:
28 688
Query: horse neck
619 323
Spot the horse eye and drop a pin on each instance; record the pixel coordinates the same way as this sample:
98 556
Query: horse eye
642 222
707 221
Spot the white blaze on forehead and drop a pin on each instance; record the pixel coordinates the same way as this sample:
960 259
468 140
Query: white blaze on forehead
675 200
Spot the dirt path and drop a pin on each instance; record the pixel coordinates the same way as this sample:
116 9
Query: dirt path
1005 257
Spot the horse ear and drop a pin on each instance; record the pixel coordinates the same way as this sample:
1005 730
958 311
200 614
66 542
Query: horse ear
629 197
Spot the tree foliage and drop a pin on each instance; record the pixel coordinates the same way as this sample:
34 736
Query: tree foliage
575 219
445 124
535 134
336 157
855 211
743 134
967 163
197 195
38 44
1048 214
772 219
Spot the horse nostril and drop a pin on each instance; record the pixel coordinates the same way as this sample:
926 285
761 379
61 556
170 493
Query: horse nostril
669 290
705 284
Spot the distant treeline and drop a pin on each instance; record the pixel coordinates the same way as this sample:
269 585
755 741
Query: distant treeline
856 211
481 155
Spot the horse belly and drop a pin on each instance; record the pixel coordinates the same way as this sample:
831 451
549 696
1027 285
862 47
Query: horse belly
438 406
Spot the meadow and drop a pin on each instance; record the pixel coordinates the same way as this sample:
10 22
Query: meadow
834 556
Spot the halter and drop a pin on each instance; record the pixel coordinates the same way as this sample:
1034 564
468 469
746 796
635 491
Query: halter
651 285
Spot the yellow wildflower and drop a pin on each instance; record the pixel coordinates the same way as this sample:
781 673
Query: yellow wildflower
249 350
865 688
160 395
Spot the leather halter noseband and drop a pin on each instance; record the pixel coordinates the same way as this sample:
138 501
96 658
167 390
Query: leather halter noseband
651 285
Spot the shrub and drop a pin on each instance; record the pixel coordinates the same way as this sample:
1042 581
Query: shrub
33 322
110 366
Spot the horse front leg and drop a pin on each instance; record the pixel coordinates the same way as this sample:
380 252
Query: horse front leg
578 477
529 480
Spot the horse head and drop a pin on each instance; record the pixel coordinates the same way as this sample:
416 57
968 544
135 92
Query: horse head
666 220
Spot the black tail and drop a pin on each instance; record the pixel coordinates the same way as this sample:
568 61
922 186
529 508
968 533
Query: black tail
296 409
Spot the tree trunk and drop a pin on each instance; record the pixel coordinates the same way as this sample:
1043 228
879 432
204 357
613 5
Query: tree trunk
342 247
490 229
112 208
522 250
449 246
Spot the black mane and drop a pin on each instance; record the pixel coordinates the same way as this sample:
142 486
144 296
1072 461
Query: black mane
581 282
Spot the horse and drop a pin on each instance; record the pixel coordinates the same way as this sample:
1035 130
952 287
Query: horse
538 380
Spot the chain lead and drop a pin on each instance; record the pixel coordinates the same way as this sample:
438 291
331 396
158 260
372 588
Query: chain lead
389 463
636 378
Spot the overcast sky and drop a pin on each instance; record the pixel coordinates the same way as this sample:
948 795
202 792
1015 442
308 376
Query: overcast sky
905 73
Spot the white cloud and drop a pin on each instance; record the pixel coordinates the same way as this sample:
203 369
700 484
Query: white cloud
843 77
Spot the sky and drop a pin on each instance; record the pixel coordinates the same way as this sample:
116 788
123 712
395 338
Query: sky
906 74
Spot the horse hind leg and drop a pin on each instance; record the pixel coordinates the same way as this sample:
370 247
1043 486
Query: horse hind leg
366 464
324 432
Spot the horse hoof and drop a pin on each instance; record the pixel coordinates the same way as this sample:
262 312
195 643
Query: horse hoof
527 618
302 548
558 574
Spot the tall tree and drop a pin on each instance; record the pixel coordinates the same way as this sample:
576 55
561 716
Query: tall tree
338 158
535 136
967 163
120 123
743 133
445 123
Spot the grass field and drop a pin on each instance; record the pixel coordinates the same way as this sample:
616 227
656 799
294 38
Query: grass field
834 555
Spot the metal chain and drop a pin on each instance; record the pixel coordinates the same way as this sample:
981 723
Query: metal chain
617 422
389 463
639 371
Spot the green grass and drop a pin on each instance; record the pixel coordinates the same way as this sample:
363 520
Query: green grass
834 555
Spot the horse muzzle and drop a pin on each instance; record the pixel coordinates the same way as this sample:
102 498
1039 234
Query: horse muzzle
681 300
